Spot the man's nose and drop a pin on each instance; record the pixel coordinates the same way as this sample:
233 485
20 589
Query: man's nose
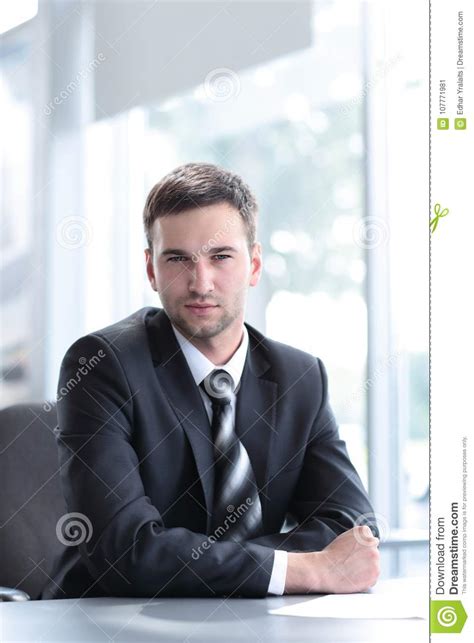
201 277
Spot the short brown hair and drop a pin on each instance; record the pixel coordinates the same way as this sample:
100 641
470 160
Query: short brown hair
198 184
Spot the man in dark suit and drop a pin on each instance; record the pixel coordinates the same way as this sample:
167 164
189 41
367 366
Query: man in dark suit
187 438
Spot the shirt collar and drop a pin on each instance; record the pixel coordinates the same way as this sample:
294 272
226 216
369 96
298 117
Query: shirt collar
200 366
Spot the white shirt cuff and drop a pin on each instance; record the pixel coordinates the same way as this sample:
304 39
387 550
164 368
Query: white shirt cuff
278 577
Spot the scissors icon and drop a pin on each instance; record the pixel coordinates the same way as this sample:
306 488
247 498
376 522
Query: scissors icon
438 214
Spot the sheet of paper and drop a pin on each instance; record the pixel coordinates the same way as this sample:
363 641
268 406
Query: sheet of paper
387 602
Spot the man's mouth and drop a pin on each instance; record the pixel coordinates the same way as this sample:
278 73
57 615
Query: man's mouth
200 305
201 309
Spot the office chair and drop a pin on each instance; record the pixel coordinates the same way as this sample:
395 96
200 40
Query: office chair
31 502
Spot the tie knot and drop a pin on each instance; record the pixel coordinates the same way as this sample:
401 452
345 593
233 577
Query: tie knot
219 385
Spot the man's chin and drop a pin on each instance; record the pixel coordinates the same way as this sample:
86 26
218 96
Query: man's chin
201 329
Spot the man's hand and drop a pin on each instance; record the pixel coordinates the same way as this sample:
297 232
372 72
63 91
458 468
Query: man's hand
349 564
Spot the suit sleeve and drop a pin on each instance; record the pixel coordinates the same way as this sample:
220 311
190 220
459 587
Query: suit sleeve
126 546
329 496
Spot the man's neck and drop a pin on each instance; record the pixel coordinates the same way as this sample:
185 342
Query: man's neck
221 348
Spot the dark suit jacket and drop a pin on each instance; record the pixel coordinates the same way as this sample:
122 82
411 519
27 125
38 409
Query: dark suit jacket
136 460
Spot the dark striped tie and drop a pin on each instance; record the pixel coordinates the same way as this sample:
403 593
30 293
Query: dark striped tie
237 512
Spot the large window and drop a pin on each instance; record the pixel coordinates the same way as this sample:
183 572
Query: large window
21 342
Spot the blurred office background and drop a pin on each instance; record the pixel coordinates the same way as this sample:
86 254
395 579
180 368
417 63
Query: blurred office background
320 106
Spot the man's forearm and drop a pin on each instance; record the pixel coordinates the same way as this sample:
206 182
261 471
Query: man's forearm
298 573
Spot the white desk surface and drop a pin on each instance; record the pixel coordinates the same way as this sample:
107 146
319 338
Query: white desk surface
128 620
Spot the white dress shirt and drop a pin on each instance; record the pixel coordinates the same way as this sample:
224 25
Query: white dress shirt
200 368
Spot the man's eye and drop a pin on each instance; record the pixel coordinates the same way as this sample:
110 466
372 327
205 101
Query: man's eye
180 258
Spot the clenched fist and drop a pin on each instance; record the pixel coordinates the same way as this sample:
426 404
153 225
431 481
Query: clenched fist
350 563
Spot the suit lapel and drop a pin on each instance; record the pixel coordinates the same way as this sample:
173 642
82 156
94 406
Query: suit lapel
255 417
180 388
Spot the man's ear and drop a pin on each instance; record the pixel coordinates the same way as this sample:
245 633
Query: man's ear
256 264
150 271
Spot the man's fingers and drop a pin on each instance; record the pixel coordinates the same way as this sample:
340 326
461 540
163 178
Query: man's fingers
364 536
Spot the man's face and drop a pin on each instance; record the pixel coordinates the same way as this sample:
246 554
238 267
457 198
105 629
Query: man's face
201 256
